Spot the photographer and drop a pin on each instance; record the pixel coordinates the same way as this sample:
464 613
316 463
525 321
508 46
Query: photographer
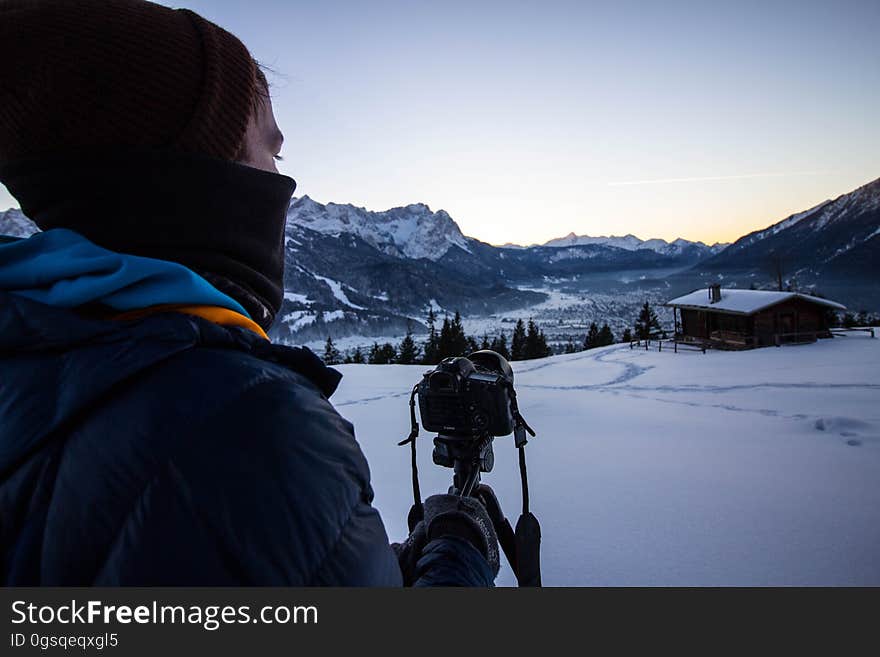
150 433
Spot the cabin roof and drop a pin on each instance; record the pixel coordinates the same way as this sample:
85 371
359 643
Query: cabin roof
744 302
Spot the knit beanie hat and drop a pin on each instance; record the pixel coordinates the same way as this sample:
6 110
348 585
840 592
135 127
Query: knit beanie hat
121 120
85 74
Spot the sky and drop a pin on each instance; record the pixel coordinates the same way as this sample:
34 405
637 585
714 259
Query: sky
529 120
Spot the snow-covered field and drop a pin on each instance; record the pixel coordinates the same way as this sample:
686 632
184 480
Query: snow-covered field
748 468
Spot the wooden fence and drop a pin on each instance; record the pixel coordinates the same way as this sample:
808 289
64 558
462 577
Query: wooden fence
842 332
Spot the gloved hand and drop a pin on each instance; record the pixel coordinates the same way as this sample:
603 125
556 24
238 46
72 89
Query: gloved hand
464 517
447 515
410 551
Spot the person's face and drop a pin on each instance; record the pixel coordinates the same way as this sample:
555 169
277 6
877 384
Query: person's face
262 139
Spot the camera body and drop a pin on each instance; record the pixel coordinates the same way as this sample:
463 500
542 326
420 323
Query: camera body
468 397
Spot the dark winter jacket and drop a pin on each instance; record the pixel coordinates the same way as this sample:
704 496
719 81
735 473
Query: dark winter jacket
171 450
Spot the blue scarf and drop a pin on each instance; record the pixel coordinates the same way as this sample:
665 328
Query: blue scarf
60 267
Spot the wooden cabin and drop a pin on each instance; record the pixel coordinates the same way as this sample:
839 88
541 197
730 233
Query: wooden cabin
744 319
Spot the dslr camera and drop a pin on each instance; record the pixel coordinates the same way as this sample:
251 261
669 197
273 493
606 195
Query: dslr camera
468 397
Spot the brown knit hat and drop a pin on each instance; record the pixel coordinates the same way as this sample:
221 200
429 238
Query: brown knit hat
89 74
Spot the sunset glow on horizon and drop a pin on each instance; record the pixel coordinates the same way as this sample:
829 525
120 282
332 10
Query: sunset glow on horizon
529 121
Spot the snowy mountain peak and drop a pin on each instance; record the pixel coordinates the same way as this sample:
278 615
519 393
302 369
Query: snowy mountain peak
630 242
15 224
411 231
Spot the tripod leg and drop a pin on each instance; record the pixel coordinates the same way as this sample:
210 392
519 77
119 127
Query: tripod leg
506 537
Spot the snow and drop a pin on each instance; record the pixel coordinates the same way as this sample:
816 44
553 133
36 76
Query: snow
866 199
412 231
333 315
563 315
350 342
297 298
338 292
630 243
299 319
793 219
15 224
725 468
572 254
744 301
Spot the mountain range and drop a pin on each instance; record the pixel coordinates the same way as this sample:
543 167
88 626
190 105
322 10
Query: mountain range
352 271
678 247
835 240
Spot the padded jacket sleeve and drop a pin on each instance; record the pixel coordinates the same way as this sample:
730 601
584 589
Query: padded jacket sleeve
452 561
271 491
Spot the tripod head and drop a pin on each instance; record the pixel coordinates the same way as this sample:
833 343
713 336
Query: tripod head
468 457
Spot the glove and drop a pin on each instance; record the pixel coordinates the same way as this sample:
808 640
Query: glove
448 515
464 517
410 551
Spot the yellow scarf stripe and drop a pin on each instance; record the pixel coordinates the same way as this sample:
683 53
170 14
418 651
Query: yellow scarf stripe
216 314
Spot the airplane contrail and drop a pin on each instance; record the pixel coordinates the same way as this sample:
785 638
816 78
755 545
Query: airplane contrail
657 181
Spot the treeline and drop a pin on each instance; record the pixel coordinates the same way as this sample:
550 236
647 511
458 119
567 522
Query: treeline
646 326
850 320
526 342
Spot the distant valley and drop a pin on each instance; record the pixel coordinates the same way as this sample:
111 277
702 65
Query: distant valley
356 274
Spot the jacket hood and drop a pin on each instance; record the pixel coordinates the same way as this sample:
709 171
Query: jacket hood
60 267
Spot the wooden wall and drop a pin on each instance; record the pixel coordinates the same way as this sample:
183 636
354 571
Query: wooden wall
792 316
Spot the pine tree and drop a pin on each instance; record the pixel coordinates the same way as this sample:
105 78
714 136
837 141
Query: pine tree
499 346
472 345
408 351
647 323
382 355
627 335
357 356
570 347
536 342
388 353
331 353
591 340
430 352
452 341
543 349
606 337
518 342
373 356
484 343
444 340
459 343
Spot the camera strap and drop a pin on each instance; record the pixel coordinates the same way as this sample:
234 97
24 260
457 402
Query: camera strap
527 536
418 511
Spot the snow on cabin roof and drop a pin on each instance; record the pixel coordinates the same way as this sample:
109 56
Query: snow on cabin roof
744 302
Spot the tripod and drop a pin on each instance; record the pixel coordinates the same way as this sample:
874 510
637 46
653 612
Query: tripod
468 456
